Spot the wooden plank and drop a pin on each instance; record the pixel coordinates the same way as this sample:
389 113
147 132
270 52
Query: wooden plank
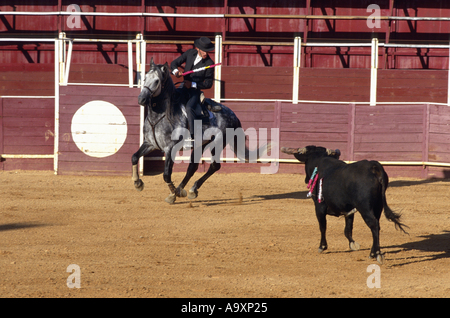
439 138
122 101
27 164
44 132
301 118
313 136
313 127
389 156
387 147
27 67
387 128
440 120
385 136
27 122
33 113
309 108
389 118
25 141
28 149
29 103
78 90
411 74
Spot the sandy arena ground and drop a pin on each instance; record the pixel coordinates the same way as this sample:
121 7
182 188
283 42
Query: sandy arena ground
246 235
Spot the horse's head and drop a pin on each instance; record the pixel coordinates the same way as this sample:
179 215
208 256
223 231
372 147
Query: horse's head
154 82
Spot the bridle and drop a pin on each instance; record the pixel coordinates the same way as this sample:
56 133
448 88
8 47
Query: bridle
162 84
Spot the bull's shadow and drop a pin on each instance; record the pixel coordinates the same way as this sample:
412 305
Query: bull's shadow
408 183
433 243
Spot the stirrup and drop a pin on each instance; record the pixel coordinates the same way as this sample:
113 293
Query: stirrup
202 98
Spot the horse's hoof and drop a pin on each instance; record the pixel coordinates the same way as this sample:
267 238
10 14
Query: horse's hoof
139 185
192 194
181 193
380 259
321 249
171 198
354 246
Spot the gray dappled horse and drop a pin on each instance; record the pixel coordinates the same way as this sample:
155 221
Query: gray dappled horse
166 125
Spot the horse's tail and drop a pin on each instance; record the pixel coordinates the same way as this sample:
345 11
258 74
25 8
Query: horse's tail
245 154
242 151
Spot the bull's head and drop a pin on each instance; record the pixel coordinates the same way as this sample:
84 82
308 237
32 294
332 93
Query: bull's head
302 153
310 152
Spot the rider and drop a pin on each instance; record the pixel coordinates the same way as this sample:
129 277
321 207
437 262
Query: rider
194 82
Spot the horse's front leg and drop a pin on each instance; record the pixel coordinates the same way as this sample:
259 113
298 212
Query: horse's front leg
145 149
168 166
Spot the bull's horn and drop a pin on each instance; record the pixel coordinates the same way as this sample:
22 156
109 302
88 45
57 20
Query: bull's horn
331 152
289 151
292 151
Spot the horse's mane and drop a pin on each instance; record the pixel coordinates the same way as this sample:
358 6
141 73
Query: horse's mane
166 100
171 106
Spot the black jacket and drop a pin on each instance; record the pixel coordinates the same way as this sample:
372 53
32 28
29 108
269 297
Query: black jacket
204 79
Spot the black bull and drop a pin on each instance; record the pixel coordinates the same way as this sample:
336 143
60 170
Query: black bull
347 188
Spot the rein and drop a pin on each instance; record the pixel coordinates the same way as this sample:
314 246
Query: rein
154 128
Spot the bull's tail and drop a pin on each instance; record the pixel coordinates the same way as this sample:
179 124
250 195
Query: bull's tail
392 216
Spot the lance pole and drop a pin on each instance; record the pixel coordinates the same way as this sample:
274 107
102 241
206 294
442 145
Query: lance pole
200 69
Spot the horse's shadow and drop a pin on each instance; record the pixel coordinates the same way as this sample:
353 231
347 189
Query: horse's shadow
241 200
299 195
407 183
432 243
18 226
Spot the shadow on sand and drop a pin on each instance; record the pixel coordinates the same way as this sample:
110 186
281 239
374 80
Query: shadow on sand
18 226
438 245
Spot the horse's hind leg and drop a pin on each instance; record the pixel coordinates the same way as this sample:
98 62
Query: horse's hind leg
215 166
193 192
145 149
192 168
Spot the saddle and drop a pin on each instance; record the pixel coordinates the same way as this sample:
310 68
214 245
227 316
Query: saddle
207 106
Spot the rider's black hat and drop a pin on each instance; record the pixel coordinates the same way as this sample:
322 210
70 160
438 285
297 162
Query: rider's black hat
204 44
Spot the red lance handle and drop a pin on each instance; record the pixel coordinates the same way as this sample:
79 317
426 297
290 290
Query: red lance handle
200 69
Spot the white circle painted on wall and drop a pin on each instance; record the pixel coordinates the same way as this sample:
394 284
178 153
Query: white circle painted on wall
99 129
